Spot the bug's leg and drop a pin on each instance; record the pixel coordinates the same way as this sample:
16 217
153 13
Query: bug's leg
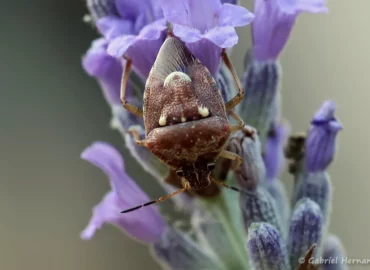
135 133
239 97
239 125
128 106
234 157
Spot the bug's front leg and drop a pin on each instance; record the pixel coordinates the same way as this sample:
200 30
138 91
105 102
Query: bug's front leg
127 105
234 157
240 121
239 97
136 135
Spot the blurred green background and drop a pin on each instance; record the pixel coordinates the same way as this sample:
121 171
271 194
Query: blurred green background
51 110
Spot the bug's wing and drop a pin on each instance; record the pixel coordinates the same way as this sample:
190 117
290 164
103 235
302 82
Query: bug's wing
173 56
206 89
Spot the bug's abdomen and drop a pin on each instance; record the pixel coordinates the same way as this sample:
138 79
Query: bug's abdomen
188 142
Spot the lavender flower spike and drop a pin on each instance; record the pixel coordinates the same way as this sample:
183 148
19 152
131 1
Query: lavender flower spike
124 194
306 229
261 81
274 22
246 144
266 249
206 26
260 206
321 139
105 68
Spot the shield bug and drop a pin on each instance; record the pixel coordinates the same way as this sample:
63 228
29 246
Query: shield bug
185 117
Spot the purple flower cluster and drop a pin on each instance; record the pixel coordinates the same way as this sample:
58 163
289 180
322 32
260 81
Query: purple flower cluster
257 228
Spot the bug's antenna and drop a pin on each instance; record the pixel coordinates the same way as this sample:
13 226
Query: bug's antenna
220 183
161 199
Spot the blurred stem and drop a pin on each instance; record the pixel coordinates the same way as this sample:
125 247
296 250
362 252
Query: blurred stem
226 208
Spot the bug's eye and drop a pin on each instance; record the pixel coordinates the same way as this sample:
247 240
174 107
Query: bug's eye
211 166
180 173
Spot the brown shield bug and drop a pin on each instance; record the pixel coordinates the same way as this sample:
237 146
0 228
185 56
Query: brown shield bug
185 117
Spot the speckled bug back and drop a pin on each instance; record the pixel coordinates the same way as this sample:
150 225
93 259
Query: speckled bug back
184 113
179 89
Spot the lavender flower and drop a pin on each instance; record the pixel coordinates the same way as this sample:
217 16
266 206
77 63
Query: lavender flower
321 138
124 194
261 81
206 26
137 32
266 248
274 22
246 144
105 68
306 228
249 230
312 181
259 206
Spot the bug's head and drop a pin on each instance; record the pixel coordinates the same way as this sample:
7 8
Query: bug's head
196 175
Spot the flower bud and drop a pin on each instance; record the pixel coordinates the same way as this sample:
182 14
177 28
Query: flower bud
266 248
321 139
306 228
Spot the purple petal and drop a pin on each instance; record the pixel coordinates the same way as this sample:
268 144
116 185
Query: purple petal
105 68
273 23
102 212
111 27
175 11
232 15
270 30
187 34
125 194
153 31
141 49
208 53
223 37
325 113
295 6
118 47
233 2
131 9
201 15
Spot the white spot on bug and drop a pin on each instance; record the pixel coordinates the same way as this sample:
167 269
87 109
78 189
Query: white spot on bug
183 77
203 111
183 119
162 121
173 118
